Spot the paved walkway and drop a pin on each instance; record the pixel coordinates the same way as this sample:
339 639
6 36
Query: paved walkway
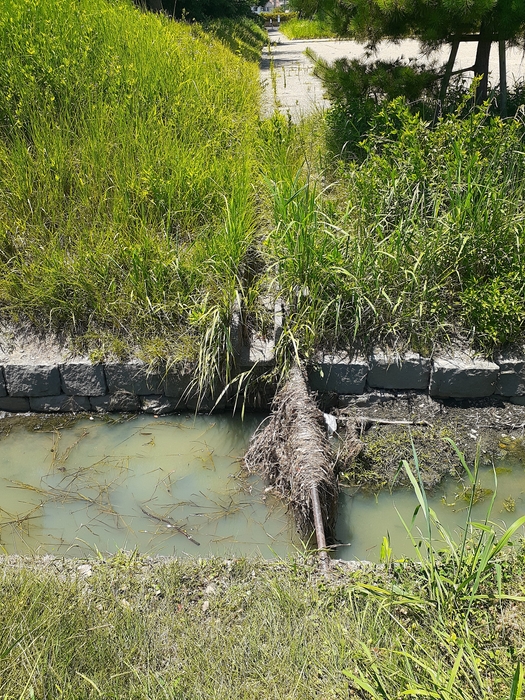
294 90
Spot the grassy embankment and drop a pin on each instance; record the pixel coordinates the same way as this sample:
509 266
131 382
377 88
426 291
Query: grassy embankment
127 162
138 187
307 29
416 241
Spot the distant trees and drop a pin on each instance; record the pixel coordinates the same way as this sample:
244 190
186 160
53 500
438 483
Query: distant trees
309 8
201 9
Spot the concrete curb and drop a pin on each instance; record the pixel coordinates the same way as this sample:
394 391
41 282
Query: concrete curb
128 386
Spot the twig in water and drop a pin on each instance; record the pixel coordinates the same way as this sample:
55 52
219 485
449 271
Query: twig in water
171 524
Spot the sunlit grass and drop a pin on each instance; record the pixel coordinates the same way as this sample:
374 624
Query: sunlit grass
307 29
126 145
417 244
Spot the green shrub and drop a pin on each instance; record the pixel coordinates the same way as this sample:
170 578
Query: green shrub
275 15
307 29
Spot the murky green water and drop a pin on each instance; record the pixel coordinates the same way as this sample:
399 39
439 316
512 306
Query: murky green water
365 519
174 486
160 485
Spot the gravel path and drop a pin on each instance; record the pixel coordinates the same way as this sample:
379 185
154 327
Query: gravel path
295 91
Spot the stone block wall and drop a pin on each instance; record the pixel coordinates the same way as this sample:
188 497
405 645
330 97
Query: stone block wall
82 386
130 387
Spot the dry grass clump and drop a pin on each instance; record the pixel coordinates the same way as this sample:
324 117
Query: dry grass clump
292 451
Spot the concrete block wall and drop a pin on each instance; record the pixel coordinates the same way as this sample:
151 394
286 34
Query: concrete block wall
458 377
82 386
130 387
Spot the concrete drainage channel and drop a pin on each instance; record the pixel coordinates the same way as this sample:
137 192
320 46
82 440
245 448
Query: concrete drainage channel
79 386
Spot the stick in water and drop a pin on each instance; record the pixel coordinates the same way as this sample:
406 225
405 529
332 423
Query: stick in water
169 523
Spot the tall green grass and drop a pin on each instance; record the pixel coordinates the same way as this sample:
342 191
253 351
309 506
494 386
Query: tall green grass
307 29
459 580
242 36
418 243
126 143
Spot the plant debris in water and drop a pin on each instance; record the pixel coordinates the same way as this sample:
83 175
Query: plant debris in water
292 451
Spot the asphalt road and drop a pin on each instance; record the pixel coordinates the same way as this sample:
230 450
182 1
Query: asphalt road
295 91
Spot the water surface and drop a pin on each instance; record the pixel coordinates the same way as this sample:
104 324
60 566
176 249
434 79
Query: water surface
159 485
364 519
163 485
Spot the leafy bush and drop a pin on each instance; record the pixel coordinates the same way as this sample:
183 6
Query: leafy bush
307 29
275 15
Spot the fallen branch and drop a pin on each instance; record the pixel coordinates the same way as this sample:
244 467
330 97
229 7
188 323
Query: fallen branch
292 451
171 524
364 420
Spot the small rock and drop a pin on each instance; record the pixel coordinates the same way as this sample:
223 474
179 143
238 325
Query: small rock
205 605
210 589
85 570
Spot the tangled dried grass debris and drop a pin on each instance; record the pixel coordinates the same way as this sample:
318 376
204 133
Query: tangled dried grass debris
292 452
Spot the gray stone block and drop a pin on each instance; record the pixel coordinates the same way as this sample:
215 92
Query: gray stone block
392 371
176 382
258 352
160 405
516 400
463 378
32 380
120 402
511 380
14 404
83 379
339 374
208 402
3 390
134 378
60 404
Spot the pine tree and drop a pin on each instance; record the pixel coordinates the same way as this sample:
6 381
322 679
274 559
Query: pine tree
437 22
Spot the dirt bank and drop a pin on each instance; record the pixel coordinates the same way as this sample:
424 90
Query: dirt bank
489 427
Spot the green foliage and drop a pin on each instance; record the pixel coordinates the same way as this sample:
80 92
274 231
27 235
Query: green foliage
242 36
456 580
202 10
374 20
357 90
274 15
126 141
349 81
307 29
434 23
420 241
